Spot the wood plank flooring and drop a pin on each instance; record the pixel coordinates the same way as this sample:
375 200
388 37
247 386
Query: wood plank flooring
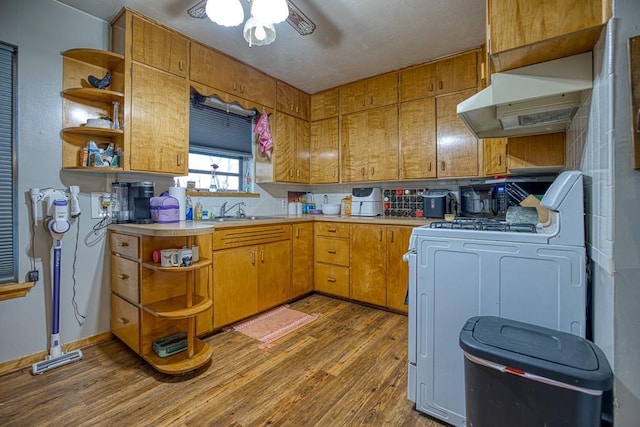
348 367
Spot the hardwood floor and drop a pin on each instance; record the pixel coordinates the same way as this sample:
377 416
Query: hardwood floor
348 367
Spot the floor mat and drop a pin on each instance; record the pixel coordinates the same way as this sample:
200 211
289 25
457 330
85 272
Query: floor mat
274 324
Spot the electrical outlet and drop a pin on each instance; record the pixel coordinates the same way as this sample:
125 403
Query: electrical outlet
96 205
283 203
34 276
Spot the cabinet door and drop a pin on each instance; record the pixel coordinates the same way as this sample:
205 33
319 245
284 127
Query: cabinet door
418 139
353 97
368 264
325 104
158 122
284 148
353 147
397 269
494 156
302 256
324 165
274 274
159 47
536 152
382 143
292 101
382 90
457 146
302 153
418 82
457 73
235 285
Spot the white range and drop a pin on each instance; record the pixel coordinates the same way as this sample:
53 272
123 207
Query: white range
463 269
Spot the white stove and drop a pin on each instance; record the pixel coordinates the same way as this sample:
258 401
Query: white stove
534 273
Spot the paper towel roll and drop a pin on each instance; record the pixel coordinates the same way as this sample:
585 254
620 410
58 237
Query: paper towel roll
180 193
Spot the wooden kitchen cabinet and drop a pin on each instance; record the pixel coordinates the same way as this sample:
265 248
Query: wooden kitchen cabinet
302 259
373 92
159 47
449 75
292 101
324 143
494 156
378 274
291 149
369 145
457 147
156 111
219 71
80 102
539 153
418 139
325 104
331 258
151 302
252 271
523 32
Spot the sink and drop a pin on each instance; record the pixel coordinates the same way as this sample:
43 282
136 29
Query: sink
241 218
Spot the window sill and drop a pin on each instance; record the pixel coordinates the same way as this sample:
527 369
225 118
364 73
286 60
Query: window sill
206 193
15 290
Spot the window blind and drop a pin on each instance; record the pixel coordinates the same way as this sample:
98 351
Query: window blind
214 130
7 191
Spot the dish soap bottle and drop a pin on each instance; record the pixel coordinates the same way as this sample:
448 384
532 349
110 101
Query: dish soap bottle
197 212
188 214
247 182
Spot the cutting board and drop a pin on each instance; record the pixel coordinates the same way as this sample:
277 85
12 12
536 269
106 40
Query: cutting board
532 201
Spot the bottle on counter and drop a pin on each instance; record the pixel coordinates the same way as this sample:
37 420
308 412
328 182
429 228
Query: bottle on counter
188 211
197 212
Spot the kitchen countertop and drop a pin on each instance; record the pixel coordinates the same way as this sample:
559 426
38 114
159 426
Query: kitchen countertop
193 228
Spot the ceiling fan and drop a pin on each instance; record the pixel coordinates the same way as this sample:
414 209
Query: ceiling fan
298 20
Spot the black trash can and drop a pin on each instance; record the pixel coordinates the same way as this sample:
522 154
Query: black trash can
518 374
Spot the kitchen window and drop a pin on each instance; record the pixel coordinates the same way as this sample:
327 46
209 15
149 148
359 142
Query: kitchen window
8 193
221 138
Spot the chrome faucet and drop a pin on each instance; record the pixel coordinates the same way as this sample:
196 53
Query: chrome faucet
240 212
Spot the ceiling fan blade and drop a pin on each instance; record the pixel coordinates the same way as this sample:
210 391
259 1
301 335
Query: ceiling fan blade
298 20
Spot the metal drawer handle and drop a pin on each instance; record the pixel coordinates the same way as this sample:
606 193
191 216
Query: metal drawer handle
124 244
332 230
332 251
331 279
123 276
123 320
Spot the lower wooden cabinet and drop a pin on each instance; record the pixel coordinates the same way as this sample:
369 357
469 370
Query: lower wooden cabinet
331 255
251 271
302 259
526 154
378 274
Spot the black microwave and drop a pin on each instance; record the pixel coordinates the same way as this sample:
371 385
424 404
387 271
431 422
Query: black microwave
491 199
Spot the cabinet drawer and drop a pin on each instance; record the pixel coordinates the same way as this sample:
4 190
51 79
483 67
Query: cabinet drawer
332 279
124 278
333 251
125 322
332 229
124 245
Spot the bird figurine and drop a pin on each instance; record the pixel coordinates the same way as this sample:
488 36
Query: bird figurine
102 83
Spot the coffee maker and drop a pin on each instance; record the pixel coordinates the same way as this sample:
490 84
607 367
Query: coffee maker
140 194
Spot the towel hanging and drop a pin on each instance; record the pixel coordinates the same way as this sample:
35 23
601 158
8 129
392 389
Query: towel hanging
263 130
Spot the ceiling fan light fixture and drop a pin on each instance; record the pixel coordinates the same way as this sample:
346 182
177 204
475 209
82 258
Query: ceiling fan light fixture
271 11
258 33
228 13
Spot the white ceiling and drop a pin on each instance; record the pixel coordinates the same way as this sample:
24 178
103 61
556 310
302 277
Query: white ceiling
353 38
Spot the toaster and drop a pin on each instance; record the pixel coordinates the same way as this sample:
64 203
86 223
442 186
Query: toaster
366 201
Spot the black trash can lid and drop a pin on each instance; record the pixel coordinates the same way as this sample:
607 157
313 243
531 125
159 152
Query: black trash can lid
546 352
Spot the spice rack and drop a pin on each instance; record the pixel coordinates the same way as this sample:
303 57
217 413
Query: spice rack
405 203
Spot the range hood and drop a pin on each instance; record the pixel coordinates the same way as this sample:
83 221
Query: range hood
532 100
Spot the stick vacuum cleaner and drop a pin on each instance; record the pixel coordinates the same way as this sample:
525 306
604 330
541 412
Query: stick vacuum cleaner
57 226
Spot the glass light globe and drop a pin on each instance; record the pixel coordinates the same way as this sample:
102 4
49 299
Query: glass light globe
270 11
257 33
227 13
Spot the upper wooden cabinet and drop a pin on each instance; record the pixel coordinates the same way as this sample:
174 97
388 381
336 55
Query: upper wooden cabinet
524 32
325 104
291 149
292 101
541 153
494 156
324 143
219 71
369 145
436 78
457 146
158 47
418 139
373 92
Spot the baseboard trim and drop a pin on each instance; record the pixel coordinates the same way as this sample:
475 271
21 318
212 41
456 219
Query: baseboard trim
27 361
